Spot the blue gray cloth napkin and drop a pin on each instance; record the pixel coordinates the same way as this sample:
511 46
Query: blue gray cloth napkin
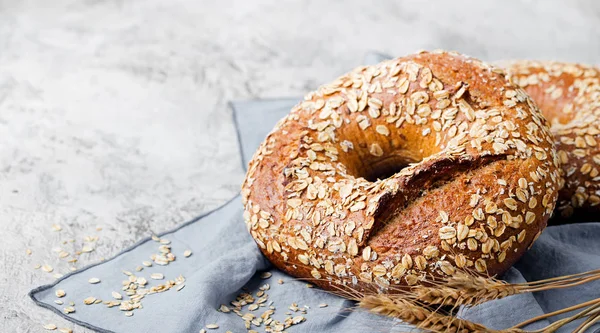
226 262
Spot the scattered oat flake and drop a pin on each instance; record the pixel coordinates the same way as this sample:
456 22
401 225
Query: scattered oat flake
47 268
147 263
28 252
129 313
57 275
180 287
89 300
202 331
50 327
157 276
60 293
322 305
265 275
116 295
69 309
94 280
87 249
56 227
187 253
65 330
212 326
223 308
90 239
139 269
59 302
37 266
308 285
280 281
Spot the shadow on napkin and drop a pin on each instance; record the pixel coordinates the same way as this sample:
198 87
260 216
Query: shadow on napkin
225 261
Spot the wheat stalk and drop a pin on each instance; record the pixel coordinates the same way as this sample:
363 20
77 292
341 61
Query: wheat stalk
422 317
468 289
463 289
421 305
435 320
593 319
413 312
558 312
590 312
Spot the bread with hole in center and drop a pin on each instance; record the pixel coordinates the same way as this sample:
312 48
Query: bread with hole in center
569 97
415 167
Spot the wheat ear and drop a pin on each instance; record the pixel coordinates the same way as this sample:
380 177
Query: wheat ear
468 289
423 317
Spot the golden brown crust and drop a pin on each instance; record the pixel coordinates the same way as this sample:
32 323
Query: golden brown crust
569 97
481 185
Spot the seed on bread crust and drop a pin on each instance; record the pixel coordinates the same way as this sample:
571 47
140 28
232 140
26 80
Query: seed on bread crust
412 167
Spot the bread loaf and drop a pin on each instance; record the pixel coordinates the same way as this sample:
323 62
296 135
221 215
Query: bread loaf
569 97
411 168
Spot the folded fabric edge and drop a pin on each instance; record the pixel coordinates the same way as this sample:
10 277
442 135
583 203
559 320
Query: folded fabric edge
33 292
234 105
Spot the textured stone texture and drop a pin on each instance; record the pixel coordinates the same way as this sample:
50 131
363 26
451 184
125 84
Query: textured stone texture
113 113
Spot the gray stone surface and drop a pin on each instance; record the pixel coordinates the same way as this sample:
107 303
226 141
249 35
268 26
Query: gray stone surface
113 113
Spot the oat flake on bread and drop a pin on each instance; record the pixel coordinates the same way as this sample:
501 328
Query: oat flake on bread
569 97
410 168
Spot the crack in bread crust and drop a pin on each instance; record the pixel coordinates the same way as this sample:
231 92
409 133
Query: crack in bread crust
314 215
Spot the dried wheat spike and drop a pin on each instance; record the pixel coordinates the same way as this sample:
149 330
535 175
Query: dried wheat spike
463 289
422 317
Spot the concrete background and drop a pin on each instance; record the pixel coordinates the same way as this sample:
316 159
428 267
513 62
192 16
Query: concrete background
113 113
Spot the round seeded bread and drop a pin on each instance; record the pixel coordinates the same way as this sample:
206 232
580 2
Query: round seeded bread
411 168
569 97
